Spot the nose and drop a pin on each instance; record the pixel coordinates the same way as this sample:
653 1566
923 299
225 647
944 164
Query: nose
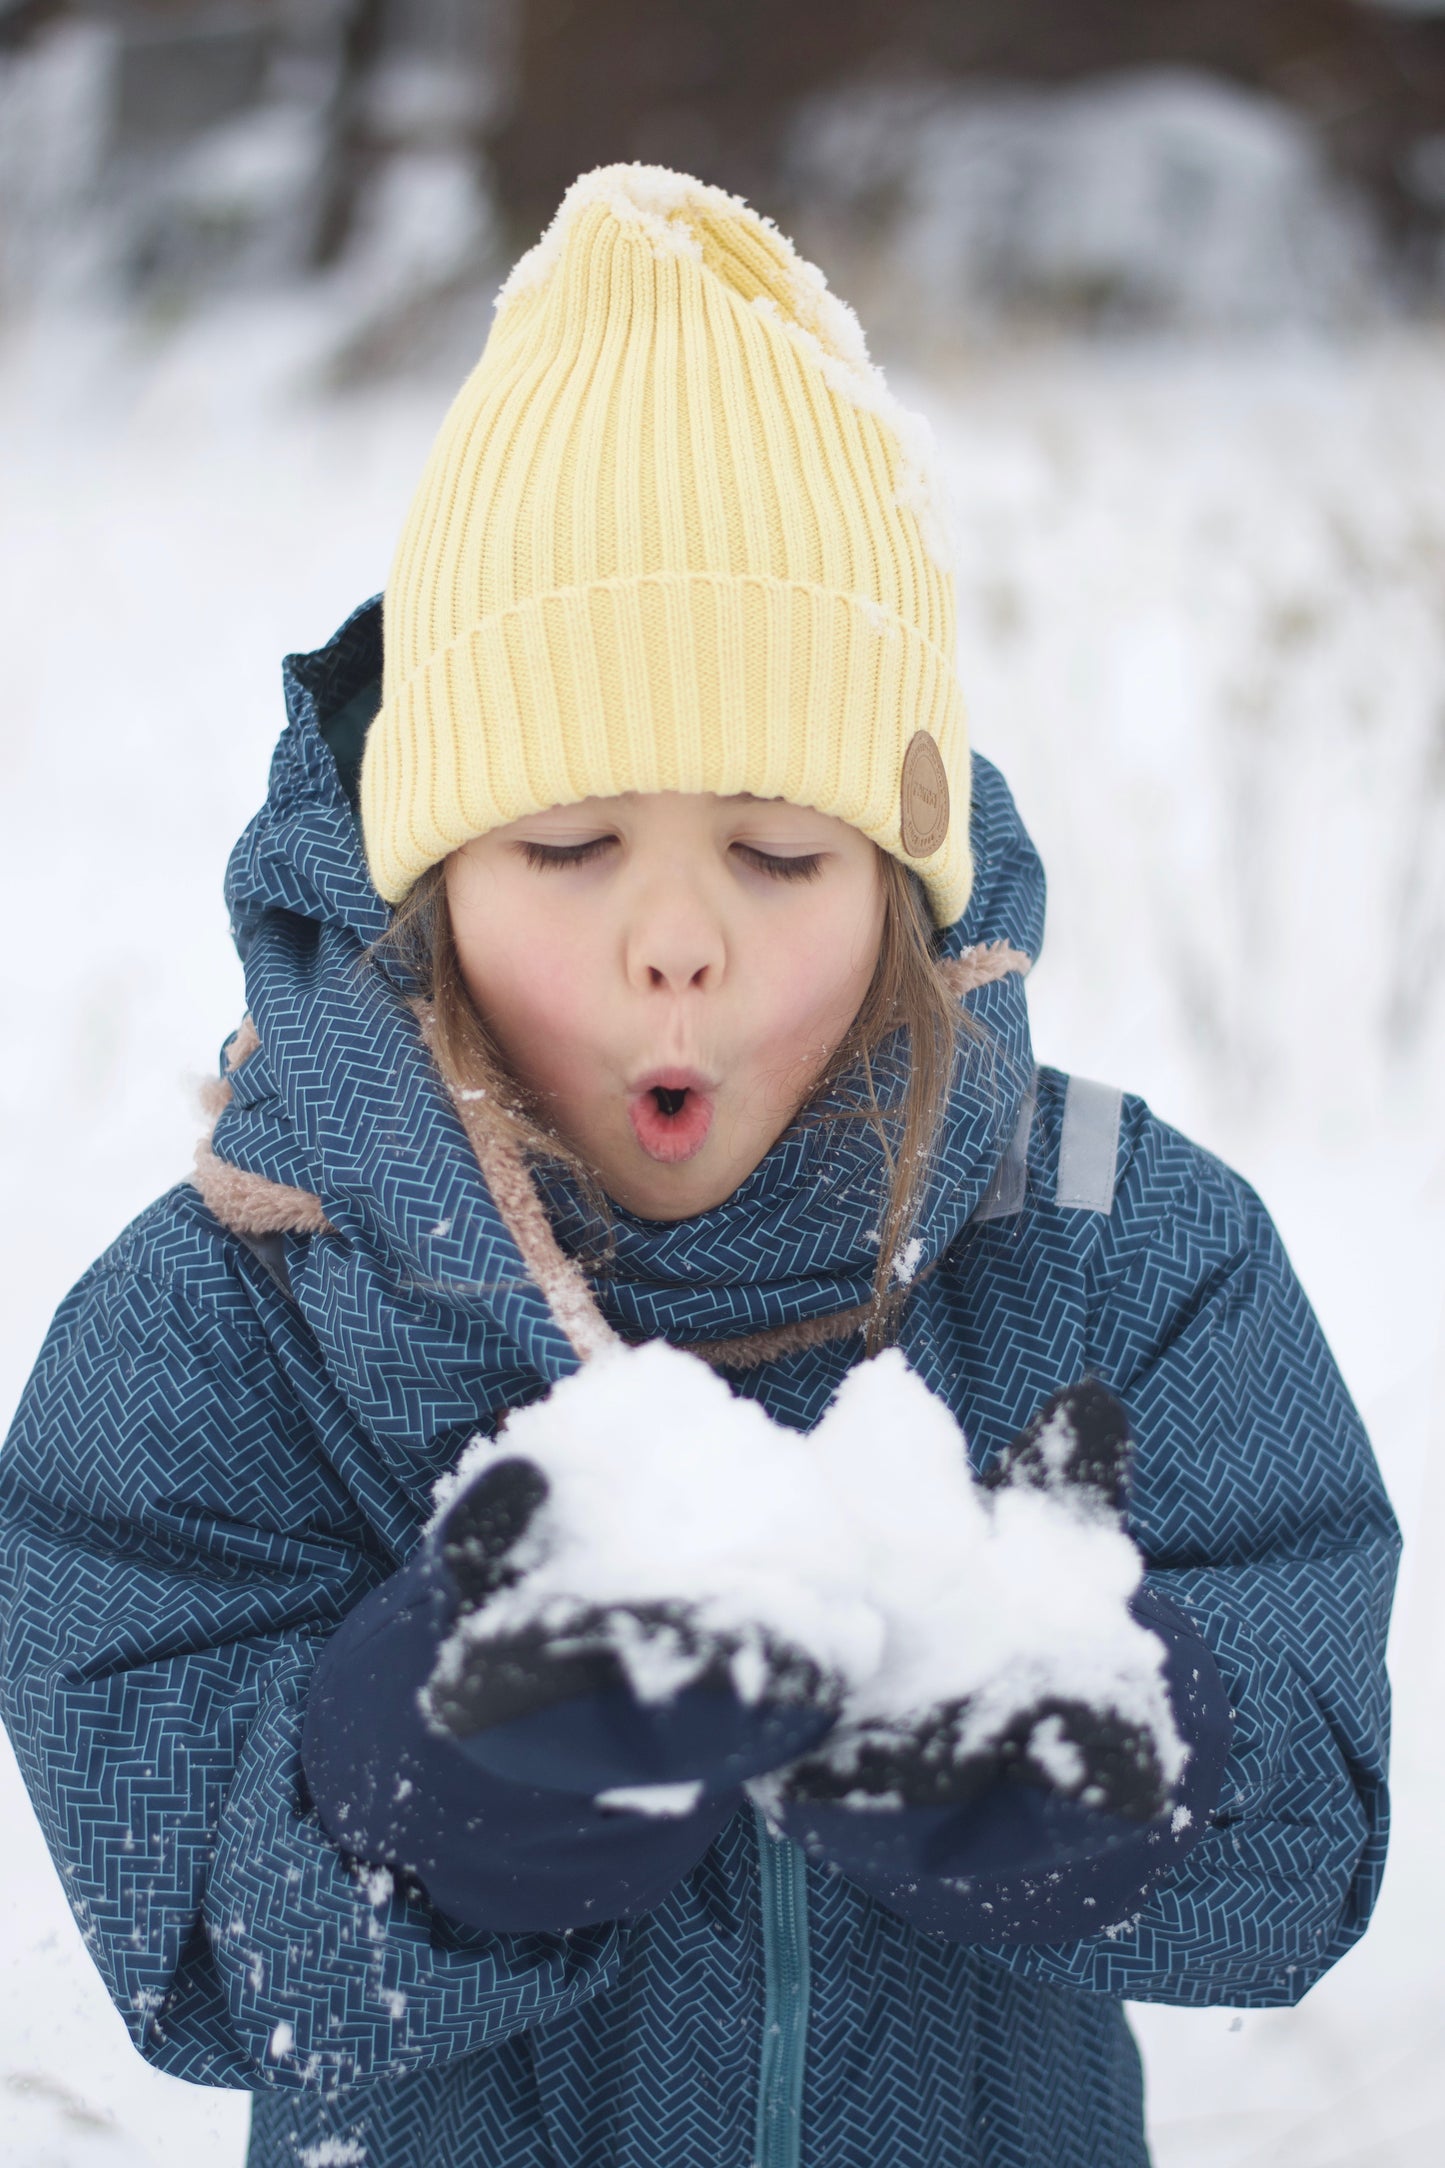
675 940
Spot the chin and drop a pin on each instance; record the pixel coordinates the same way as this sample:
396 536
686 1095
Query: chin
668 1202
671 1193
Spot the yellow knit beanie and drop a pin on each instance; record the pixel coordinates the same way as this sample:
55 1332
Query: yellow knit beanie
674 534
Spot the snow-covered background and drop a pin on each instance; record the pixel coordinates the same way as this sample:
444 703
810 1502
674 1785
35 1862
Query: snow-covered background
1202 588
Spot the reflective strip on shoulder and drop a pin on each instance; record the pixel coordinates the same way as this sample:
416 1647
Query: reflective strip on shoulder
1089 1145
1005 1194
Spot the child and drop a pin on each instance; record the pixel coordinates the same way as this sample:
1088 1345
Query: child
635 955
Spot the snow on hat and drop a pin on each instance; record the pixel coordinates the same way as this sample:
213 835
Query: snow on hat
674 534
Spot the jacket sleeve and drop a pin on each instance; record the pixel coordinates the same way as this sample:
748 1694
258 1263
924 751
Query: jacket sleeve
175 1549
1263 1518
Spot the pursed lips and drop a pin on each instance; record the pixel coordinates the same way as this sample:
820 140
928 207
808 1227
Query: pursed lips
671 1112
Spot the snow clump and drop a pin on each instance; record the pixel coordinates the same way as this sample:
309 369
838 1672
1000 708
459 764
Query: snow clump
866 1545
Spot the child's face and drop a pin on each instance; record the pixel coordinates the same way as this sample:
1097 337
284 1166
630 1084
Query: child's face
670 974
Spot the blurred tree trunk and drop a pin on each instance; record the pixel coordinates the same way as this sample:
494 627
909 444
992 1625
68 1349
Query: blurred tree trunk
358 46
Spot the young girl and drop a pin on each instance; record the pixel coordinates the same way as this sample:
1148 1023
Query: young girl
634 954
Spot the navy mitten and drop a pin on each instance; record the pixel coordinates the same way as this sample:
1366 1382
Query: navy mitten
485 1791
558 1710
1079 1449
1058 1825
1017 1859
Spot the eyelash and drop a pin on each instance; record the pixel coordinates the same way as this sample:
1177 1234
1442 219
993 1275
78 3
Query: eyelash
806 868
547 857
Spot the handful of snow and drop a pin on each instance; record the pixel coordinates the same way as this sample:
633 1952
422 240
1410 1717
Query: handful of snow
866 1546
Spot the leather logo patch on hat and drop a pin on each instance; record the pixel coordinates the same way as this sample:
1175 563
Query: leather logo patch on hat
924 796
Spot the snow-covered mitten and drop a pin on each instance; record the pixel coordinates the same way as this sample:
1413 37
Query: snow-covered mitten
1088 1724
654 1581
602 1696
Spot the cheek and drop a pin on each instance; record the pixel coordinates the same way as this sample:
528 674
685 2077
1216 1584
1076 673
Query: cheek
813 982
535 986
536 1012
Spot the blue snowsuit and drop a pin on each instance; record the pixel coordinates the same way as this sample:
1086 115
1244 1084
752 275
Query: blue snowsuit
210 1470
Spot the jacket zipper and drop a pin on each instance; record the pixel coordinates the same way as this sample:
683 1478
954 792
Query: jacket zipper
782 1866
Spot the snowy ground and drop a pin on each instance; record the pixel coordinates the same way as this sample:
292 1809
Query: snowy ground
1203 634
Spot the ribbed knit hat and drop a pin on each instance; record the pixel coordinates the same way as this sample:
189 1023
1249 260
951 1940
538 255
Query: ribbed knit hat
674 534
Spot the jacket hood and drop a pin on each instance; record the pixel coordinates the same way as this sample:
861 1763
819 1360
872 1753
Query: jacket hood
341 1099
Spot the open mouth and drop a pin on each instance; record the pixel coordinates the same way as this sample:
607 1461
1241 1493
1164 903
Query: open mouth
671 1114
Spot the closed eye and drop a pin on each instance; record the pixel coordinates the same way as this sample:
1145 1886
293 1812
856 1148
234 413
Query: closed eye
806 867
545 855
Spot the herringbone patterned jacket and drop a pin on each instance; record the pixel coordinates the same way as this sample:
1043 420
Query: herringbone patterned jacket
210 1466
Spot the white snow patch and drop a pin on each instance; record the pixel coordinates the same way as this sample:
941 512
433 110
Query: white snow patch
474 1456
845 368
667 1800
874 1802
749 1673
652 198
878 1556
282 2042
377 1884
1055 1443
333 2153
1056 1754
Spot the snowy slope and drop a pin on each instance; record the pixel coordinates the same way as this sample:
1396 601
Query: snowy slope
1201 632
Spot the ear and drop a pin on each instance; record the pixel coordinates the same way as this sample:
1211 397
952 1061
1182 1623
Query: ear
1079 1442
489 1520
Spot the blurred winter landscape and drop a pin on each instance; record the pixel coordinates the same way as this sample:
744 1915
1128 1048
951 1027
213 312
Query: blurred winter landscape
1186 362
